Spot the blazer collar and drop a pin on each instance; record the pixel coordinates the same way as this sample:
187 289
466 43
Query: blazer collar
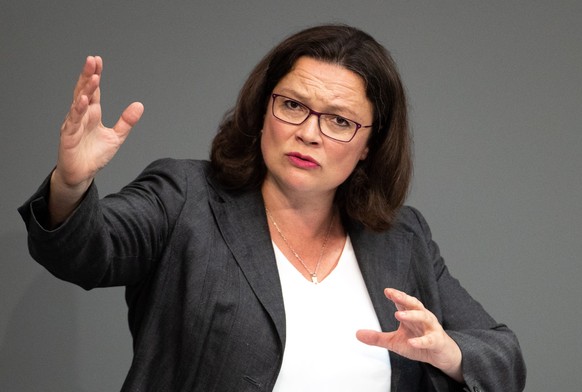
242 221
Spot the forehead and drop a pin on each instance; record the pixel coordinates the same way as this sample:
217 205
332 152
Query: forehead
326 87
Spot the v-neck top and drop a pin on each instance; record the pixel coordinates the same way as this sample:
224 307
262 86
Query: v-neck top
322 352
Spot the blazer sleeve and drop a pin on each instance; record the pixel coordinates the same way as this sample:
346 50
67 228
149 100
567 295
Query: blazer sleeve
110 242
492 358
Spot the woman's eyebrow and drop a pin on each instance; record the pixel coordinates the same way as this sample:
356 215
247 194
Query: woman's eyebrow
329 108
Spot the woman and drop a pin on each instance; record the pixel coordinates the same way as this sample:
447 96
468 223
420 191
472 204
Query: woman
286 263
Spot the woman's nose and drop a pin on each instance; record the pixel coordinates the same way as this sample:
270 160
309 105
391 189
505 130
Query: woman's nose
308 131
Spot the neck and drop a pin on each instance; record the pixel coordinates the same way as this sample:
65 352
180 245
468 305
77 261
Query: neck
307 230
307 213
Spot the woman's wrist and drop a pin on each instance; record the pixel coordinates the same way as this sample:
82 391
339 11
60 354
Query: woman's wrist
63 198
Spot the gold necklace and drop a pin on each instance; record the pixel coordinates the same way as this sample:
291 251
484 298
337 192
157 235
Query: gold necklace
314 273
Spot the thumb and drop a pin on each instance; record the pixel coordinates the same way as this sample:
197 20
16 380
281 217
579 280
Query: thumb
128 119
368 336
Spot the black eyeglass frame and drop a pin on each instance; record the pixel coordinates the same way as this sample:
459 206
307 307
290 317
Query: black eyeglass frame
318 115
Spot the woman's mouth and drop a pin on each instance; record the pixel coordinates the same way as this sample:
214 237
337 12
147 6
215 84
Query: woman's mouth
302 161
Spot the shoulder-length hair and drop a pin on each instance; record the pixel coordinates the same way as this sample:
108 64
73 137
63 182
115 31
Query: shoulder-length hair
378 186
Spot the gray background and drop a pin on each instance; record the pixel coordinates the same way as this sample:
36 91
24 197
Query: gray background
495 93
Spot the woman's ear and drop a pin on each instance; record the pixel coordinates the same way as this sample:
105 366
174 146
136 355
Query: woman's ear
364 154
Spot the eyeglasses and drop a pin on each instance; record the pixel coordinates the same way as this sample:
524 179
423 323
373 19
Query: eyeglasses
333 126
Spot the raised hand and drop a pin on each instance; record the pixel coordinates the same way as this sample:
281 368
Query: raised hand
419 336
86 145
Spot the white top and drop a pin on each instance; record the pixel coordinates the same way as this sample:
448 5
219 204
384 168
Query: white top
322 352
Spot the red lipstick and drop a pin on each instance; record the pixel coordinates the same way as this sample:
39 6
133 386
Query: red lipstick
302 161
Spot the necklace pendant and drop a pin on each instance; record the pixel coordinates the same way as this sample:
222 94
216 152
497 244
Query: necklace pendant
314 279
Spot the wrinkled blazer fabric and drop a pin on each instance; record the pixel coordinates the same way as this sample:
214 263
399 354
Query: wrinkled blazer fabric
204 299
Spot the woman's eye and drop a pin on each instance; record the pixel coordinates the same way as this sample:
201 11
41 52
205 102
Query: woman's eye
340 121
290 104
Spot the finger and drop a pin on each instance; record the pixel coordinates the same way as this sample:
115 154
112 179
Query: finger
80 105
78 109
423 317
93 66
89 80
425 342
90 89
93 90
419 322
128 119
98 65
402 300
375 338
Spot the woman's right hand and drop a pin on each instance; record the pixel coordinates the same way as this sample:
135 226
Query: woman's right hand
86 145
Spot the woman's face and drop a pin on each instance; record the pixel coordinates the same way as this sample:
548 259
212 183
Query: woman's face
299 158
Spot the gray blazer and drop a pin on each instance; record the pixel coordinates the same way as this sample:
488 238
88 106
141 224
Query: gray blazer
205 303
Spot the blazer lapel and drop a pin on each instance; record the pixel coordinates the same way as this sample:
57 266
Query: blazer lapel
384 261
243 224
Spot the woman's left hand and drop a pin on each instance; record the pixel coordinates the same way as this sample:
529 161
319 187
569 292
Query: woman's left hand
419 336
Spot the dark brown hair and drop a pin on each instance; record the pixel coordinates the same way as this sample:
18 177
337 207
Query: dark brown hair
379 184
